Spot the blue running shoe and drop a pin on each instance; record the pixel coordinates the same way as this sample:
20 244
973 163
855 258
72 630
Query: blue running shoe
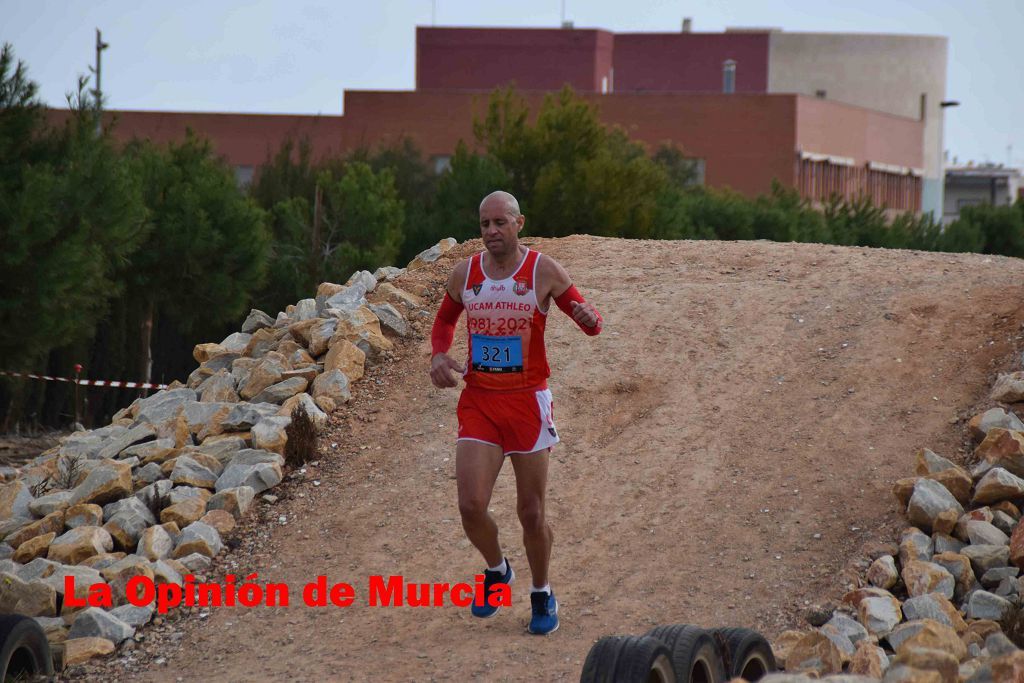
545 613
491 579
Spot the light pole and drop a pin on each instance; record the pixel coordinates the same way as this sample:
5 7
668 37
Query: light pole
98 92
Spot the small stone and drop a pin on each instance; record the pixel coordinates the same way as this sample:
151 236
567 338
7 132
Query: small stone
882 572
921 578
985 605
81 650
94 622
928 501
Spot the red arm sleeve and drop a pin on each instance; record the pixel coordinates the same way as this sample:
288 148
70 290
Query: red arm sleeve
443 332
565 300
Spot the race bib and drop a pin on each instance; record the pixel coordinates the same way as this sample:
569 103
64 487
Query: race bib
497 354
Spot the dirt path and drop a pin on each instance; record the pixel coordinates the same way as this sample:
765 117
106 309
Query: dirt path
744 397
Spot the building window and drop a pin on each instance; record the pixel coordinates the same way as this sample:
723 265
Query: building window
441 163
820 94
243 176
973 201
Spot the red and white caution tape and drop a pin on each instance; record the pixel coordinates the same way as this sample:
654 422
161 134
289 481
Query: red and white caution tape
88 382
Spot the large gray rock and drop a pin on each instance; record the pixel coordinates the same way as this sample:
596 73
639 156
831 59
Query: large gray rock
985 557
218 388
333 385
364 278
234 500
236 342
130 504
259 476
132 615
879 615
270 433
149 449
149 473
188 472
354 294
222 449
87 444
33 599
851 628
105 483
180 494
164 406
256 320
80 544
83 577
1008 388
391 319
984 533
930 606
15 499
929 500
51 502
282 391
388 273
997 485
38 568
245 416
305 309
151 495
915 545
198 538
155 543
904 632
997 417
985 605
113 447
94 622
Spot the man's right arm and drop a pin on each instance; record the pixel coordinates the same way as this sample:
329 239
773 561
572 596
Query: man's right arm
443 332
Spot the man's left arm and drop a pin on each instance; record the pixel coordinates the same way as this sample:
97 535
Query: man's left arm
569 299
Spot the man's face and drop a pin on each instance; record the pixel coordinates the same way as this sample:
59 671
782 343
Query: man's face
498 228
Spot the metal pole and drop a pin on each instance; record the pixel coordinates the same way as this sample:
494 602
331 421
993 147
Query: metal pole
100 47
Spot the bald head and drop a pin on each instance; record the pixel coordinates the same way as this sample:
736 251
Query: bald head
502 199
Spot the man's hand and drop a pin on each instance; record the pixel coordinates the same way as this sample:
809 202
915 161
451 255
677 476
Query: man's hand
584 314
441 366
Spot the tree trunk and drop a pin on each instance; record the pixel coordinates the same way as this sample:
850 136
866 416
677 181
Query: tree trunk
145 348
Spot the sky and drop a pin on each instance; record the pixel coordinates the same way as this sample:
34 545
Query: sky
272 56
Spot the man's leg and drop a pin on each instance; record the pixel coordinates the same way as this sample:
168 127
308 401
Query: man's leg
476 469
531 491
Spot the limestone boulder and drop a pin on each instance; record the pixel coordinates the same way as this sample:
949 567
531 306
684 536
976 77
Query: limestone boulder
282 391
235 501
50 503
138 434
997 485
133 615
31 598
266 373
982 423
94 622
198 538
247 415
1008 388
316 416
188 472
985 557
882 572
52 522
930 500
1002 448
81 650
915 545
256 320
33 548
80 543
432 254
879 615
105 483
270 433
218 388
985 605
391 320
934 607
345 357
869 660
333 384
15 499
185 512
922 578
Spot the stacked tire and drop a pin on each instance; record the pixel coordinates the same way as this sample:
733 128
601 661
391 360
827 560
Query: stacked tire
679 653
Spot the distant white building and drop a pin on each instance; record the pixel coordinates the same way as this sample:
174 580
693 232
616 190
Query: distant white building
985 184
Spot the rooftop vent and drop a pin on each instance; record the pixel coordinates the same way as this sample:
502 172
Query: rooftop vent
687 24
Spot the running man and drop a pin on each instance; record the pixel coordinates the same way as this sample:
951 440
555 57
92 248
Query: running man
505 408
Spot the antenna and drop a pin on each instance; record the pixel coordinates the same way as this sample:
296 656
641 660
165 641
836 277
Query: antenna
563 12
433 12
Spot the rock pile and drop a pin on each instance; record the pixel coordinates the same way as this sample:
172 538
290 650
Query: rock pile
929 607
152 493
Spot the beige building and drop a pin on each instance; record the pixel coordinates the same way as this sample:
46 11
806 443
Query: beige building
898 74
973 185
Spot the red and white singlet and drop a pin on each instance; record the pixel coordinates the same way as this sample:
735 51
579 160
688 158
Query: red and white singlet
506 328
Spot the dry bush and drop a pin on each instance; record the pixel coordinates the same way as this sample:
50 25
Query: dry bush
301 445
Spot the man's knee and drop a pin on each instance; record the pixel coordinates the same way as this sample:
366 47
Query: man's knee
472 508
531 515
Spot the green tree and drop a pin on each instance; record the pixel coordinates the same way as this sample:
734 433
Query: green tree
207 252
362 221
70 214
455 210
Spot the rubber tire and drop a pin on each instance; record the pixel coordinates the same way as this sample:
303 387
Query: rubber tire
748 654
25 646
696 657
628 659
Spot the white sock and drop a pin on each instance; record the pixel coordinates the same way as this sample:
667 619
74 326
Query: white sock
503 567
546 588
